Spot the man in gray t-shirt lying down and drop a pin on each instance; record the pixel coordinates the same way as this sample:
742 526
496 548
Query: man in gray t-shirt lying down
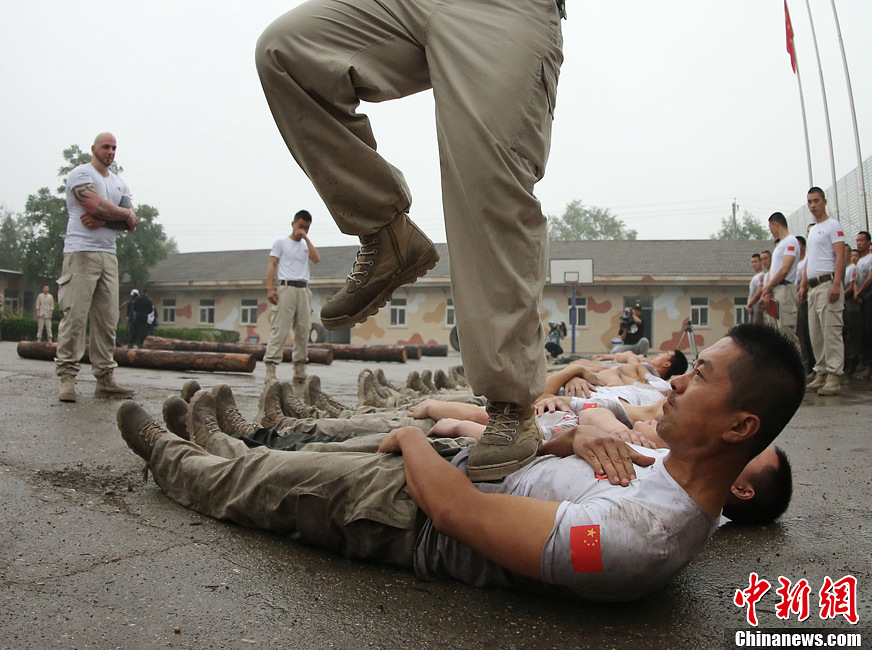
553 524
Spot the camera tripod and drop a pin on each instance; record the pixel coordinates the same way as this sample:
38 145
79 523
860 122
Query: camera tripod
688 333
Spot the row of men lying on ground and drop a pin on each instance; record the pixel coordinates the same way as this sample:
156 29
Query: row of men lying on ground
592 516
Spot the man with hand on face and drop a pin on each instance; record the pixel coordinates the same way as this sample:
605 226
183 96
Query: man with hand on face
99 204
287 286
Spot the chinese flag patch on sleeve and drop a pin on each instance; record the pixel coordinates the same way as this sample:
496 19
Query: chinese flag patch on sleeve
584 546
841 233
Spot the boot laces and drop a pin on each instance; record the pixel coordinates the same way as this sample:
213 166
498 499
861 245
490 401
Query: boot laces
504 420
151 432
368 249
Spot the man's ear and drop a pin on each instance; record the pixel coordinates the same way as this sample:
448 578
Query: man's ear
742 491
745 425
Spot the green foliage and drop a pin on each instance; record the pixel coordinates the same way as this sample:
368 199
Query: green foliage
9 238
746 228
582 223
22 328
40 232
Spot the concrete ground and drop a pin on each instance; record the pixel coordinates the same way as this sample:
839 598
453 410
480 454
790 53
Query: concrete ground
92 557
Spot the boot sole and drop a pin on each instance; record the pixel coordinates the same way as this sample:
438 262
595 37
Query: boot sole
410 276
496 472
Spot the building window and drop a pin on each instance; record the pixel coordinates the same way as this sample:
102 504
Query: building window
449 312
249 311
169 310
741 316
580 311
699 312
398 312
207 311
11 301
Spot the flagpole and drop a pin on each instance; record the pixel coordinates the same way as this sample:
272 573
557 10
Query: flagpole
817 53
853 118
794 60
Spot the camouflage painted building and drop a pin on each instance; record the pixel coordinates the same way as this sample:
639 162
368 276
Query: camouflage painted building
702 282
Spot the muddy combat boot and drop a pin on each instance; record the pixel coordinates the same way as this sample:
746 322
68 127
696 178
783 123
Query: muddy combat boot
270 373
427 380
68 389
229 418
816 383
189 389
202 422
175 416
300 372
138 429
510 441
293 407
108 389
414 383
442 381
314 396
397 254
832 386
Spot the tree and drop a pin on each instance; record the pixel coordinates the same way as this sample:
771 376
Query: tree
587 223
43 225
9 239
748 228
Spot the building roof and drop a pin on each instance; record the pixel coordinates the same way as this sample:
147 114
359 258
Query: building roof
610 258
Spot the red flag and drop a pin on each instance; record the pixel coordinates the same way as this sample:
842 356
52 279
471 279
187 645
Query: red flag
791 48
584 546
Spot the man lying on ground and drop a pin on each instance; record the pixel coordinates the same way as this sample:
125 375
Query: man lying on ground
550 525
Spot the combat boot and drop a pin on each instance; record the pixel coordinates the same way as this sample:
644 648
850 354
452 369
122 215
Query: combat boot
175 416
270 373
299 372
442 381
313 395
816 383
293 407
427 380
138 429
108 389
202 422
229 418
510 441
832 386
68 388
397 254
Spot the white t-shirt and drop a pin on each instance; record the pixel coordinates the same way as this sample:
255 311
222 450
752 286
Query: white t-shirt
820 256
850 273
756 281
608 543
864 266
293 259
789 246
79 237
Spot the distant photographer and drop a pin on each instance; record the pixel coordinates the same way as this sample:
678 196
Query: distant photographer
630 332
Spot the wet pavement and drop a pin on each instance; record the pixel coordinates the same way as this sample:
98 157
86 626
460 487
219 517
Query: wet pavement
92 557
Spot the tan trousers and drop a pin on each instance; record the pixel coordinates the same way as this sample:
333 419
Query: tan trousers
493 67
785 295
825 329
88 287
43 324
294 310
347 501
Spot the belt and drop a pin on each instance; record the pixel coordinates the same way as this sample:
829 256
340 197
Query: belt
784 282
820 279
294 283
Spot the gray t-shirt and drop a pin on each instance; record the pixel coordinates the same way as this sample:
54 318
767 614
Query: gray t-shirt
79 237
609 543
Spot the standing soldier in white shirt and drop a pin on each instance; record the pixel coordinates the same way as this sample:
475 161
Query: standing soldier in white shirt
822 285
287 285
44 309
780 286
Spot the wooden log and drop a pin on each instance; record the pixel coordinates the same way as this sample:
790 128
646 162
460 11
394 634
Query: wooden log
154 359
257 350
395 353
434 350
413 351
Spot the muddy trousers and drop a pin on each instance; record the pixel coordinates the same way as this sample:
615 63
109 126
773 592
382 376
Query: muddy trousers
493 68
352 502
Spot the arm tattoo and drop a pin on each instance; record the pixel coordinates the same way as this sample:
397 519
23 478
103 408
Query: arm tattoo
85 192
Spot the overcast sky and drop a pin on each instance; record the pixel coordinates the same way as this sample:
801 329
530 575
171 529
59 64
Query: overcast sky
666 112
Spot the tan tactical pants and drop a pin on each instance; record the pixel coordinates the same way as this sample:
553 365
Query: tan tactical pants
493 67
825 329
294 310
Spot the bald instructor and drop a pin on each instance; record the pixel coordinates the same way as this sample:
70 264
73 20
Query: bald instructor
98 204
